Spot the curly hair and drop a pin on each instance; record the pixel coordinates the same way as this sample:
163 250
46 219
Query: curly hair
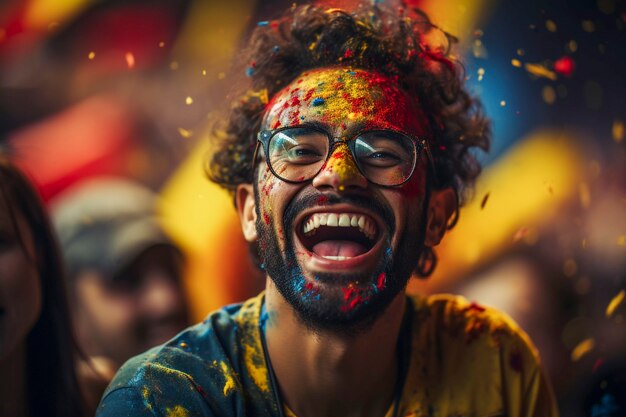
397 42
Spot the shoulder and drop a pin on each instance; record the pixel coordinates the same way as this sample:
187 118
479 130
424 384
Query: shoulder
455 317
196 370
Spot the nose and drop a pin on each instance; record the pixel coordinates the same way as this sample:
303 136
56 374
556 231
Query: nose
160 296
340 172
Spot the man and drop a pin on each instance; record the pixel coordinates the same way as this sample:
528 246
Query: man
345 180
125 275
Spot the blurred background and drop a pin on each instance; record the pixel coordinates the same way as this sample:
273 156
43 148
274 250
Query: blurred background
128 88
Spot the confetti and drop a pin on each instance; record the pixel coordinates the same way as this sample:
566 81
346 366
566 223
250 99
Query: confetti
263 23
540 70
516 63
618 131
91 55
479 50
582 349
520 52
502 103
520 234
484 202
550 25
572 46
185 133
564 66
481 74
584 195
161 44
570 268
588 26
130 59
615 303
204 72
548 94
188 100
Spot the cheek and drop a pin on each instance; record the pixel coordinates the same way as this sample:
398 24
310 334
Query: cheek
415 188
20 295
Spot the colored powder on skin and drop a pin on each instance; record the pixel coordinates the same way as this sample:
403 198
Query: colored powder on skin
322 200
229 383
176 411
382 278
342 165
318 101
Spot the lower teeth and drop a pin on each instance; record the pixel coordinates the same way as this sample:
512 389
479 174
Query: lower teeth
336 258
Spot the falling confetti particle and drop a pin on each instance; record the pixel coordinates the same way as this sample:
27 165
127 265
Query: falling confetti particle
481 74
91 55
174 65
516 63
588 26
484 202
479 50
570 268
548 94
582 349
263 23
618 131
584 195
161 44
130 59
189 101
550 25
615 303
185 133
520 52
502 103
204 72
520 234
540 70
621 240
572 46
564 66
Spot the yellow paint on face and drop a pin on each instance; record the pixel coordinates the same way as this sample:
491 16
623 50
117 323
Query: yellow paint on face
345 98
342 164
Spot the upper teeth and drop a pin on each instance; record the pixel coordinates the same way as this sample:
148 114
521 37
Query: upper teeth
365 224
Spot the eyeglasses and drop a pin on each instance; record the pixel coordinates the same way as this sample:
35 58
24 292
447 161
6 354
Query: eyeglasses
296 154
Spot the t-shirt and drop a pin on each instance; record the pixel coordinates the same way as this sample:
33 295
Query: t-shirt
463 360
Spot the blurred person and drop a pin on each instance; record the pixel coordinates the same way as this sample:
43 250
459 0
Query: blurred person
347 163
37 347
125 274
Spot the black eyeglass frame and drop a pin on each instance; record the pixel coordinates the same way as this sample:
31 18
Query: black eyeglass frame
265 136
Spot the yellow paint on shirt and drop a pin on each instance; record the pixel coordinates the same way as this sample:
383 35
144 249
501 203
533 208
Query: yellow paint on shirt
176 411
229 384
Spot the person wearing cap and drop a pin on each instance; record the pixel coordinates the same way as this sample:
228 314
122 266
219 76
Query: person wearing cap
124 273
347 162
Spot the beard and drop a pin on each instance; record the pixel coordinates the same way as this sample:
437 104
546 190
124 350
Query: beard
341 303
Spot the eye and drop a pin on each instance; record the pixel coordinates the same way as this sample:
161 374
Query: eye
381 158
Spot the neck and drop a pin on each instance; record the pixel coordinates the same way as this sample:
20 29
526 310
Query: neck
13 389
332 374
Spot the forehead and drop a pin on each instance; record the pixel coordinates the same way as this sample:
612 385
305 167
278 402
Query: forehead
341 97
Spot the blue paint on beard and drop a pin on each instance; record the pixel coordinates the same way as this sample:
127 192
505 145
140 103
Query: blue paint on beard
324 305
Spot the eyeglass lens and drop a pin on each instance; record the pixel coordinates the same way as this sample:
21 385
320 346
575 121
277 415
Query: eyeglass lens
384 157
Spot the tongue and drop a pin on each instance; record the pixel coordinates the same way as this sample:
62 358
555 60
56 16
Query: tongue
345 248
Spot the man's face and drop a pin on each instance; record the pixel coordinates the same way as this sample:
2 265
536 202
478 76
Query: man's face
338 247
141 307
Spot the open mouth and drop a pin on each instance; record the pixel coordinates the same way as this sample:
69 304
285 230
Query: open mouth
338 236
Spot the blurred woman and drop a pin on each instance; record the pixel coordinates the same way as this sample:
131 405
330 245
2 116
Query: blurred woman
37 348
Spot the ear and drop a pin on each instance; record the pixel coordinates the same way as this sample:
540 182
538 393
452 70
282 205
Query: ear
441 207
246 208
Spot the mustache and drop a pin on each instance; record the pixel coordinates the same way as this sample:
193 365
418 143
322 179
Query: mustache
369 203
